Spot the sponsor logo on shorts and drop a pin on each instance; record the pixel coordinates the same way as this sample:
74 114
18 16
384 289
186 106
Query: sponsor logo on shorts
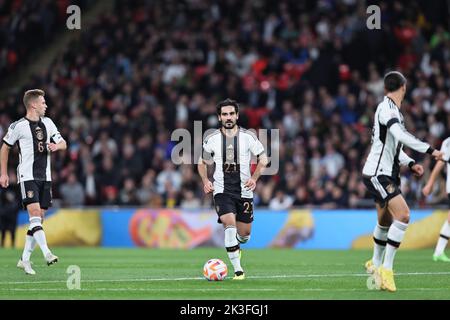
217 208
30 194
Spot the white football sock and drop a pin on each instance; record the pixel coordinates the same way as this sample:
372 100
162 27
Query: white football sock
242 239
443 239
232 246
395 236
380 235
39 235
30 244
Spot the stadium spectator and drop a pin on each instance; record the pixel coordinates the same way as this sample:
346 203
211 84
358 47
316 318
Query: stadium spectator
9 209
281 201
72 192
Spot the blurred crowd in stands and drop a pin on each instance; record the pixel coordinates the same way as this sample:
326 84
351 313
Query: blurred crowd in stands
26 27
311 69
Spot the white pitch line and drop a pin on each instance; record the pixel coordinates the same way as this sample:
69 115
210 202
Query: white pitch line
217 289
337 275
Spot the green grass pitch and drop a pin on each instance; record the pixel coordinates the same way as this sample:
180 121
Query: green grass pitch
177 274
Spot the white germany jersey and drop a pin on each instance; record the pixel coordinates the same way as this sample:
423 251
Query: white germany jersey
32 138
445 148
232 156
388 137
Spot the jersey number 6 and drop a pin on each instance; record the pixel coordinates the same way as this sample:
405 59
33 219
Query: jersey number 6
41 147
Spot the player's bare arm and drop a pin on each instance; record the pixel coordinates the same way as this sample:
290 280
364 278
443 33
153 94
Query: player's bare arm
62 145
4 153
263 161
428 188
208 186
438 155
414 167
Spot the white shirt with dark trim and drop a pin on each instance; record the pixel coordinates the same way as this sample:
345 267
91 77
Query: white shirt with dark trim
248 145
388 137
19 133
445 148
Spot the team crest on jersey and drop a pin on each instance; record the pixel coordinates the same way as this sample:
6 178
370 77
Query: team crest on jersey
39 133
390 188
30 194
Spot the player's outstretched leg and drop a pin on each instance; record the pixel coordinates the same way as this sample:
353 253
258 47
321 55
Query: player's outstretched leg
395 236
439 254
233 250
38 233
242 236
399 210
380 235
30 244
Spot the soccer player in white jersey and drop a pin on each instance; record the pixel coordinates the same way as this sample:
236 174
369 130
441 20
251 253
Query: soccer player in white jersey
381 176
439 254
36 137
231 147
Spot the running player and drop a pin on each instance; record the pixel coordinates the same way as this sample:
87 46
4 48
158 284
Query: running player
381 176
439 254
36 137
230 147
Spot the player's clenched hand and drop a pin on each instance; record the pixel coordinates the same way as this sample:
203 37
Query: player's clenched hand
250 184
438 155
417 170
208 186
52 147
4 180
427 189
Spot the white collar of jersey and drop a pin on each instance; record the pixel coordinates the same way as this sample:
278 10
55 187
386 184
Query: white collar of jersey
237 132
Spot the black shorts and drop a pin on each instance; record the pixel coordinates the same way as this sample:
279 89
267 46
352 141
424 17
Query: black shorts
382 188
241 207
36 191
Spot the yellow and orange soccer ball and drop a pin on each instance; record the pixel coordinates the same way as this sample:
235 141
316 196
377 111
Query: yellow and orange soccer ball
215 270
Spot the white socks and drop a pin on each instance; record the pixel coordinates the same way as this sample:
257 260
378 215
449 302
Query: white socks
443 239
242 239
30 244
38 234
380 236
395 236
232 246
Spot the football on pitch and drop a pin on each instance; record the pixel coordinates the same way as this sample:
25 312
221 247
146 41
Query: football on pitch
215 270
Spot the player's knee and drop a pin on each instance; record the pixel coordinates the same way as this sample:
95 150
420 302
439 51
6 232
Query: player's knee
34 212
404 217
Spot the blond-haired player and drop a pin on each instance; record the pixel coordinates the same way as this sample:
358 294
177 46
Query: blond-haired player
36 136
